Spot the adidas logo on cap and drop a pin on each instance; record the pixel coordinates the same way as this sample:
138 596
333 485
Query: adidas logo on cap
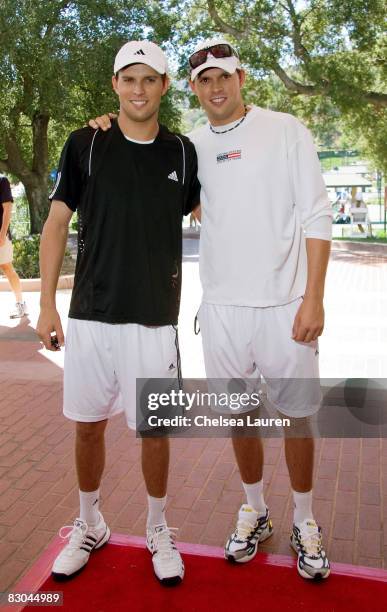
141 52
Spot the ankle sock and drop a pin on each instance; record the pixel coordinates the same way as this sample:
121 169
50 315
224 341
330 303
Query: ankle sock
156 510
302 506
254 495
89 503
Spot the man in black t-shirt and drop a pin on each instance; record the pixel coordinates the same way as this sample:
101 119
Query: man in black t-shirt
6 250
130 188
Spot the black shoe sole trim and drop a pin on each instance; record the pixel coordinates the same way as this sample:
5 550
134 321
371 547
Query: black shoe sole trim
171 582
66 577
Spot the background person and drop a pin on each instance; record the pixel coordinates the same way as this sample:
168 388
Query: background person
358 202
6 249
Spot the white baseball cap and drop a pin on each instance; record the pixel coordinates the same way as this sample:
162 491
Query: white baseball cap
141 52
229 64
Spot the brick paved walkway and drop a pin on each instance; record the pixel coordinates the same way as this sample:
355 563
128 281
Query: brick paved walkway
38 491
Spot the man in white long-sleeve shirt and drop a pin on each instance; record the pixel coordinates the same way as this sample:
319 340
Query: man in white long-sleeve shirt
264 250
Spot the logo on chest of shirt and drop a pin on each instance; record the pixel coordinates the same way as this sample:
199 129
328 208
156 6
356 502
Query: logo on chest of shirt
229 156
173 176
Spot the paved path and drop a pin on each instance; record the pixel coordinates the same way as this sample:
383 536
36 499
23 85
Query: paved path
38 491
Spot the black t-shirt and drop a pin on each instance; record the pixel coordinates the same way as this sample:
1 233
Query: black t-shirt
5 196
130 200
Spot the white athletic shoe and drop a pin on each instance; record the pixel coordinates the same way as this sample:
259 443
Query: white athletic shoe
82 541
306 539
251 529
167 562
19 311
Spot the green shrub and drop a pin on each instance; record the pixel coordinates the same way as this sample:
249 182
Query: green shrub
26 256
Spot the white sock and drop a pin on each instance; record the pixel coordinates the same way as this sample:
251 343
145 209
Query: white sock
302 506
156 510
89 501
254 494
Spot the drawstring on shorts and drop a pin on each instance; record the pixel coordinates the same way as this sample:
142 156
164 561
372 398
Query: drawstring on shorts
196 325
178 359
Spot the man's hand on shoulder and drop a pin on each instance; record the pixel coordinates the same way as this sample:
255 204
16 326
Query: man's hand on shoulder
309 320
103 122
197 212
49 328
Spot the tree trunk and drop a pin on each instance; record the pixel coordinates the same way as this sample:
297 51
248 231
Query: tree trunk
38 203
35 176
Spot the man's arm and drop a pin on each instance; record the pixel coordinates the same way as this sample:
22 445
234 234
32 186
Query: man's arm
315 213
52 249
7 212
309 321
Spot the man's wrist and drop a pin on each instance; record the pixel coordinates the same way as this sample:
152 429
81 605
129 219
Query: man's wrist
314 296
47 303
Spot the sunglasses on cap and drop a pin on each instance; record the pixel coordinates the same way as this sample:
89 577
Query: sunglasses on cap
218 51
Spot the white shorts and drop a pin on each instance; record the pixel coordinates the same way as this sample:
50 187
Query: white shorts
103 361
246 343
6 252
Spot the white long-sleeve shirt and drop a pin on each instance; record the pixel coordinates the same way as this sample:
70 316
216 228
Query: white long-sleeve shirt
262 195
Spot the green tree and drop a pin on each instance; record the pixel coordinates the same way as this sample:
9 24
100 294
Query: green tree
56 64
322 58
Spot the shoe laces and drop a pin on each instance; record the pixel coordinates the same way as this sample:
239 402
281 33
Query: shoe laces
243 529
311 544
164 541
76 535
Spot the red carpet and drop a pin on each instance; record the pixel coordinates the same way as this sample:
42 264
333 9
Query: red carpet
120 577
